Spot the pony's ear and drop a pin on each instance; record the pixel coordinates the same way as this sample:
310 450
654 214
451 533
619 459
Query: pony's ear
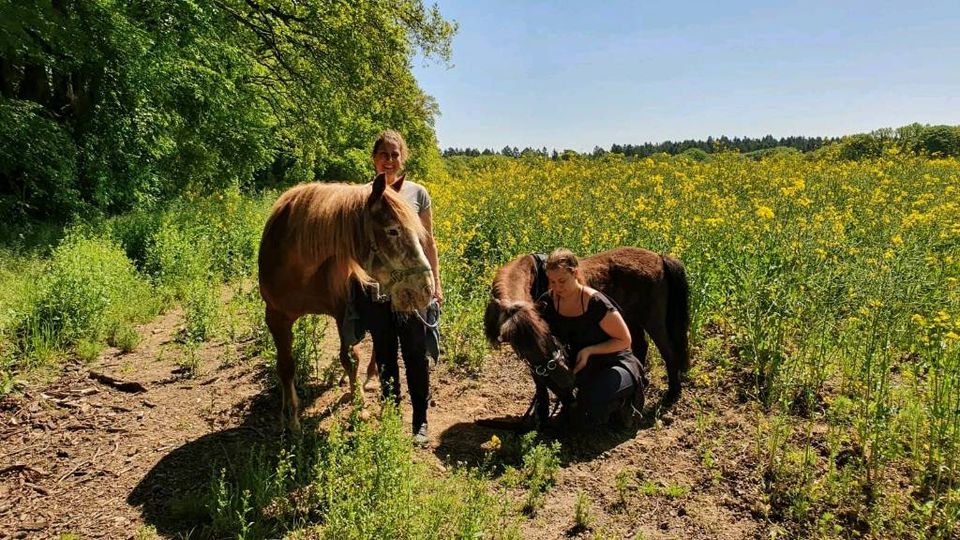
398 183
379 185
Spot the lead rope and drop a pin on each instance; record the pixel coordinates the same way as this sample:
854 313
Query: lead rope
433 326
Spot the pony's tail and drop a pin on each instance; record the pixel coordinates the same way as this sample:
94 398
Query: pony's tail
678 310
491 323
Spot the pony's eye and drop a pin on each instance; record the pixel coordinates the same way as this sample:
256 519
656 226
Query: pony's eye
393 232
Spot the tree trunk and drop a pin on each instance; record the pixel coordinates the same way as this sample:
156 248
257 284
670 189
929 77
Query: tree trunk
64 101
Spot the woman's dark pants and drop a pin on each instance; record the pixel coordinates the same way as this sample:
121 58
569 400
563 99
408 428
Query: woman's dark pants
388 330
600 392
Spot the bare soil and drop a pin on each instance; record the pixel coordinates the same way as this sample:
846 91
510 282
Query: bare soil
82 455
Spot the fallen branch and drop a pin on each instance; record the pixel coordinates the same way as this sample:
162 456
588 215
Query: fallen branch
21 467
80 465
39 489
123 386
73 470
66 403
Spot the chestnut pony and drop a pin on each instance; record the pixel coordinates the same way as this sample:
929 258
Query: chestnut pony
651 290
317 239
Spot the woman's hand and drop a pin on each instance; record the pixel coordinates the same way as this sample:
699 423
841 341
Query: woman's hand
582 357
429 244
438 292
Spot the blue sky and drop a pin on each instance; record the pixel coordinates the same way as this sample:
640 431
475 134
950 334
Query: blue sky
568 74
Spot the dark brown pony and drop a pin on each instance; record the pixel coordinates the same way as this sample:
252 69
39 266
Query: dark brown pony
317 239
651 290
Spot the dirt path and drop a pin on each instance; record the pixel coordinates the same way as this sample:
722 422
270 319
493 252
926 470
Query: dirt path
80 455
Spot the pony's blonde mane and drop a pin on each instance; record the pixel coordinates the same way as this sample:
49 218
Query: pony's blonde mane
322 221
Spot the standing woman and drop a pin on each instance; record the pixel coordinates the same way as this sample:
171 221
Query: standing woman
388 328
609 378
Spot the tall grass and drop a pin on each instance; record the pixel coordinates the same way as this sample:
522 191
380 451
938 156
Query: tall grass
98 279
87 291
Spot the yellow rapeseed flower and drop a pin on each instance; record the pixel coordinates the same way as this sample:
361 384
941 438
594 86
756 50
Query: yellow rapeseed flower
492 445
764 212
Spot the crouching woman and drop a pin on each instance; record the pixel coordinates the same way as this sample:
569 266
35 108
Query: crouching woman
609 378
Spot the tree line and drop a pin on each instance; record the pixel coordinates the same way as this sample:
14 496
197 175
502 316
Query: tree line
710 145
107 105
940 140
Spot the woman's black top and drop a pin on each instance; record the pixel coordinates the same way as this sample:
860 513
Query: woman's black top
581 331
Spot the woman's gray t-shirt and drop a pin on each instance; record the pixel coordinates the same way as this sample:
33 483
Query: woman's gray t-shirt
415 195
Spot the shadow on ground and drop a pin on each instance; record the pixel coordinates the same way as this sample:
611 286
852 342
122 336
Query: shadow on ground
174 494
462 443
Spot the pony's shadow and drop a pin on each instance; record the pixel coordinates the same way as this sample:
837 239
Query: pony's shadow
174 495
463 443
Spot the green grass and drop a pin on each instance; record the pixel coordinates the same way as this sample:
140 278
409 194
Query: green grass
358 481
68 291
582 514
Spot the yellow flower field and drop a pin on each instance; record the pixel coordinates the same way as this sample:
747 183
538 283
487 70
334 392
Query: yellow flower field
832 284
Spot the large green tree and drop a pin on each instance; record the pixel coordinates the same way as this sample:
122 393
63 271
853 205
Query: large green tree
106 103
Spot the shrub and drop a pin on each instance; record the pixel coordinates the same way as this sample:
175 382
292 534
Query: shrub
940 141
540 465
38 156
582 517
134 231
87 350
88 284
696 154
124 337
201 310
857 147
176 259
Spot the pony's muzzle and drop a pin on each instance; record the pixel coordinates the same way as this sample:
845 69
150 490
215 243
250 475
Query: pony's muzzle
410 297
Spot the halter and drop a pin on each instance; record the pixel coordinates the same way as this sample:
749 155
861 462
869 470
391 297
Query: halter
551 364
397 273
556 380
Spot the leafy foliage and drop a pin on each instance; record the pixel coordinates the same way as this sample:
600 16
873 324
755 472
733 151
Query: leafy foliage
105 105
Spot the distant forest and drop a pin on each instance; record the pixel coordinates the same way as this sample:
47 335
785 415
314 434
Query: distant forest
710 145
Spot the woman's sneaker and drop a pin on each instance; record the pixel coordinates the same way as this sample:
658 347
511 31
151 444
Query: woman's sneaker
421 435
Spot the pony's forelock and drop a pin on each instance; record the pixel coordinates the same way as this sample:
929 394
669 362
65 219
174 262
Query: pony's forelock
397 207
524 328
